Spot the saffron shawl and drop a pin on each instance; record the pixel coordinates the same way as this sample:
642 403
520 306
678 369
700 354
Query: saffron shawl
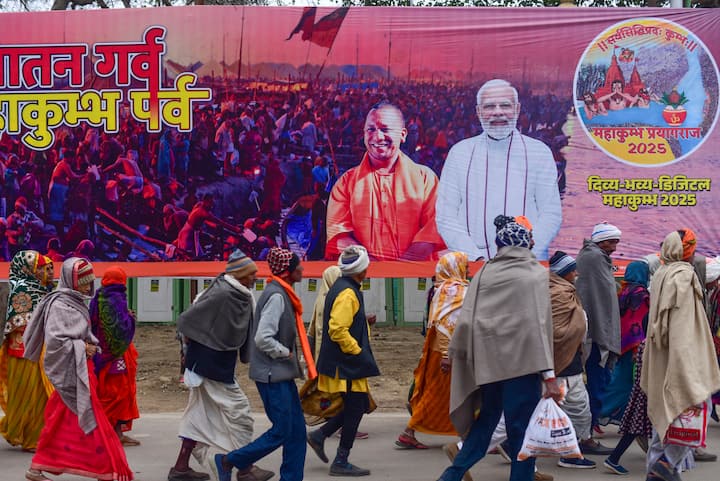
61 322
679 367
112 323
450 288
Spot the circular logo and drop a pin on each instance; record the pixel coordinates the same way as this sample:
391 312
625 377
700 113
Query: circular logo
646 92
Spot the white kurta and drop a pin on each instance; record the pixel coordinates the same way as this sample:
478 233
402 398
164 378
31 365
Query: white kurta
483 178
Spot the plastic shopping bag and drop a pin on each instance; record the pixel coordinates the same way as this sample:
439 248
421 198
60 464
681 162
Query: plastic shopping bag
690 428
549 433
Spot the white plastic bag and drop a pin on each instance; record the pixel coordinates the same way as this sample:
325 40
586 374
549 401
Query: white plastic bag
690 428
549 433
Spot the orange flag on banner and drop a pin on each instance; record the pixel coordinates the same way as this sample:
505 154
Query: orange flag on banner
305 25
325 31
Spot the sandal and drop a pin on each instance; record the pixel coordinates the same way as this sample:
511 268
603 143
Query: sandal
35 475
358 434
128 441
407 442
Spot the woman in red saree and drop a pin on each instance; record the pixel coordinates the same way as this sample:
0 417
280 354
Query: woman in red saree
77 437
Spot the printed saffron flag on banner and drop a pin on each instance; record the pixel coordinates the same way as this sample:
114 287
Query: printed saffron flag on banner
325 31
305 25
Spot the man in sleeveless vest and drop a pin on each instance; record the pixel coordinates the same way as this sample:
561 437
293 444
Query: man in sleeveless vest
274 366
346 360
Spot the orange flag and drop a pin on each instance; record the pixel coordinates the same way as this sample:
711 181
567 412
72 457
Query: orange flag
327 28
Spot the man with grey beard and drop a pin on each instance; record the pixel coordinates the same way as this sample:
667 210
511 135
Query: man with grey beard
499 172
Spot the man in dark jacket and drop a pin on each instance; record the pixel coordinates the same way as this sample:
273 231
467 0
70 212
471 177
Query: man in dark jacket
274 367
216 328
346 360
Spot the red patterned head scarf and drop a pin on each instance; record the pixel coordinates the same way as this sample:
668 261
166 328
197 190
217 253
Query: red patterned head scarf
279 260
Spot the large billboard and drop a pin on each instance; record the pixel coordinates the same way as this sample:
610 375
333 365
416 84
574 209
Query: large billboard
180 134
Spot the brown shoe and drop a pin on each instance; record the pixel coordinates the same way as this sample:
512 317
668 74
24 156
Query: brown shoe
189 475
254 474
543 476
451 450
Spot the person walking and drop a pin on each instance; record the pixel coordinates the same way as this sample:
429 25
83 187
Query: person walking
113 324
217 329
346 360
634 302
24 387
598 294
501 349
274 366
430 401
680 369
569 331
77 437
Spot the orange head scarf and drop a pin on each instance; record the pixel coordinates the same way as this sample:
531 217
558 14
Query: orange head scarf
524 221
689 243
114 275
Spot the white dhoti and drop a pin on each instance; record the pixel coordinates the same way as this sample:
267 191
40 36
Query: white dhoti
217 417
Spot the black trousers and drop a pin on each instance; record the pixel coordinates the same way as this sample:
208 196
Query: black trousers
355 404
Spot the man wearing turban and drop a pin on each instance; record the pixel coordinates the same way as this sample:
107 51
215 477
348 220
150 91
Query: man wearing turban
346 360
598 294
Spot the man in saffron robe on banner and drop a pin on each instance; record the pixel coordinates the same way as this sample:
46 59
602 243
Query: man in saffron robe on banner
387 203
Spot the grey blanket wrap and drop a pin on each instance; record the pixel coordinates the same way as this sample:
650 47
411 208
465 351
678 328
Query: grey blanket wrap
598 294
61 322
504 330
220 317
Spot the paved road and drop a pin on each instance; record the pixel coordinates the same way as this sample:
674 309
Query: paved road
158 432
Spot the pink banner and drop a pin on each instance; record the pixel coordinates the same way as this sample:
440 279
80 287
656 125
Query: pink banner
180 134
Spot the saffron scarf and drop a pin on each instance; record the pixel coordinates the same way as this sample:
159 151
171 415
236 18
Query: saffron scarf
302 334
451 284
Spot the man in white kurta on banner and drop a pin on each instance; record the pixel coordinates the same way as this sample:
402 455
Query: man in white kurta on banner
499 172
